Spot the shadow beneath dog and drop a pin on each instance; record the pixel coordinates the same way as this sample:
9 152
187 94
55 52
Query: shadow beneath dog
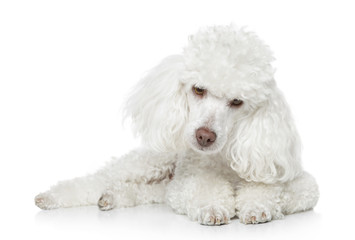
160 219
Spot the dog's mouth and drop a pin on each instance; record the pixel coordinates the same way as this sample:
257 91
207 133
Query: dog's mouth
204 150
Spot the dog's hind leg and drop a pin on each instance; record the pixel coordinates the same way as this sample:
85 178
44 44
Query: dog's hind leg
136 178
75 192
132 194
138 184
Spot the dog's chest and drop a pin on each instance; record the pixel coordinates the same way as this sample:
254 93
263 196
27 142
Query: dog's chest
189 164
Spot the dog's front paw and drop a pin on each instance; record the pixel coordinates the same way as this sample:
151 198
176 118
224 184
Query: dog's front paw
254 215
45 201
106 201
213 215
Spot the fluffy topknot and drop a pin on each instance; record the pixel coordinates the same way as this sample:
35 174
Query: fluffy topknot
229 60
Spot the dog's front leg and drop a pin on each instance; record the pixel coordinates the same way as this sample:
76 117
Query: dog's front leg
206 197
258 202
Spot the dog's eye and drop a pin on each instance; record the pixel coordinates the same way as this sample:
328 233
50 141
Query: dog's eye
199 91
236 102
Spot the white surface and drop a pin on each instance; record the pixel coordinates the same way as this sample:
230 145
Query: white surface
66 67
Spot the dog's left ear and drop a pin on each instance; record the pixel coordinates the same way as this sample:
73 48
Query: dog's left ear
265 146
158 106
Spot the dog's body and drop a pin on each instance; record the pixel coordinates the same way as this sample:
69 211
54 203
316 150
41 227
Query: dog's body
219 140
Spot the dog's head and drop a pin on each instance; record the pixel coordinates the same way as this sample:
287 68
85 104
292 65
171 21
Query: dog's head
220 97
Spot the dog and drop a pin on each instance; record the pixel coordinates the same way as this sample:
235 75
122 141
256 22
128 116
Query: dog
218 139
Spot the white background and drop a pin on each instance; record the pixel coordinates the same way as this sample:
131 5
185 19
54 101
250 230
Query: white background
66 68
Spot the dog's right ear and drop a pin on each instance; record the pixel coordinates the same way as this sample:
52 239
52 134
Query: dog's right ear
158 106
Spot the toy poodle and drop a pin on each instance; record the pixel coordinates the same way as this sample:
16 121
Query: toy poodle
219 139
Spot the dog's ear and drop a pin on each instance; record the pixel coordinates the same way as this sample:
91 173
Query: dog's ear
266 146
158 106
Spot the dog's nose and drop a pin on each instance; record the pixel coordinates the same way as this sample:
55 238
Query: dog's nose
205 137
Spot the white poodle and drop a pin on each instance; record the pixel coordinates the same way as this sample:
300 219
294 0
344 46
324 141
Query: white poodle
219 139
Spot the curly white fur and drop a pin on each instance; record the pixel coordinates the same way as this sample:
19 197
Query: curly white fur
252 170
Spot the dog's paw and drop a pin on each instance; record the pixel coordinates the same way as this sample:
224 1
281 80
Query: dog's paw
106 201
213 216
254 215
45 201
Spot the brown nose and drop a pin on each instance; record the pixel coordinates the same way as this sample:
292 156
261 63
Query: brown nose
205 137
